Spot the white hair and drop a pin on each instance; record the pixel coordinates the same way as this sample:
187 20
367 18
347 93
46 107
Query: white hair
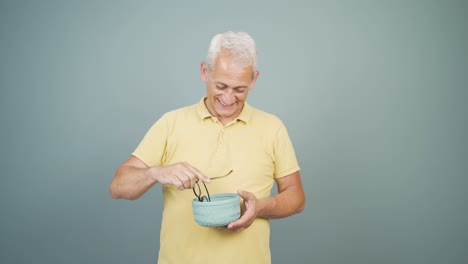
240 44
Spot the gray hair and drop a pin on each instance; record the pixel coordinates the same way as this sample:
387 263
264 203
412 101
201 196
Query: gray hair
239 44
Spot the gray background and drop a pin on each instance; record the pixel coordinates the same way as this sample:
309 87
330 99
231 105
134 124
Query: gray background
373 94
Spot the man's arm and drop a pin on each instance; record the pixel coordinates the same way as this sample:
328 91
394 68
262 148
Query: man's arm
134 178
289 200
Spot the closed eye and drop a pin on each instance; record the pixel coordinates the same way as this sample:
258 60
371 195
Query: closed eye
240 89
221 86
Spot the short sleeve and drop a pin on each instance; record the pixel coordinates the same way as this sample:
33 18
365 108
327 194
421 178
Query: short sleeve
152 147
284 155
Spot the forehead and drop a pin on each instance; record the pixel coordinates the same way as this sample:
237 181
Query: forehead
226 70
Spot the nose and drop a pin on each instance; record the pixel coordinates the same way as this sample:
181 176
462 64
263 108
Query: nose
228 97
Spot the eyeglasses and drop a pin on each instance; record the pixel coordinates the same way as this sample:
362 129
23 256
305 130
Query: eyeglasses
206 197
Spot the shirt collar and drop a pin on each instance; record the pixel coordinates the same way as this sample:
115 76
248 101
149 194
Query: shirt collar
202 110
244 116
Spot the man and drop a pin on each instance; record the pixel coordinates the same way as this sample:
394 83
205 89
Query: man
207 140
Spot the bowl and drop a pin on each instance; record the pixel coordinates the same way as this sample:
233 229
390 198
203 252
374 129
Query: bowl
223 209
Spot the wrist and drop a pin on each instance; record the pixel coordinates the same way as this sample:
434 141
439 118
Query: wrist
153 174
265 206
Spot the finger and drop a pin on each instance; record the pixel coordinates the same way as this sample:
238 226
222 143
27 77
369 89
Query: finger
235 229
225 228
177 183
177 175
192 179
198 174
239 223
248 214
187 178
185 175
242 221
246 195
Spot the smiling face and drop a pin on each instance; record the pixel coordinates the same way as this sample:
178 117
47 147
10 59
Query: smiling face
227 86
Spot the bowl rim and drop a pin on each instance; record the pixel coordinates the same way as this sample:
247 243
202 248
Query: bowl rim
231 197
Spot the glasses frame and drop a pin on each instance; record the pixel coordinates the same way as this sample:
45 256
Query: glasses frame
207 198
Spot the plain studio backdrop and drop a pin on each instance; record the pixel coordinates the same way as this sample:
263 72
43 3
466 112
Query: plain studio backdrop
373 94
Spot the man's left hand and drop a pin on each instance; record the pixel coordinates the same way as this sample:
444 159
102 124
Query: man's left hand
249 212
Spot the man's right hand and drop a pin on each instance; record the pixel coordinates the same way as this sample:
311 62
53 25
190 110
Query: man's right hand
182 175
133 178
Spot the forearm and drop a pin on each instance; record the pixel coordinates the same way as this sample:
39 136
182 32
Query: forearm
132 182
290 201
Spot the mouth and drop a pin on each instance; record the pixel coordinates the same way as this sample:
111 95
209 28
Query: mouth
225 105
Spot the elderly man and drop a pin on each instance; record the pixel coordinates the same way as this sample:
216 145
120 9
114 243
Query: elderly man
219 134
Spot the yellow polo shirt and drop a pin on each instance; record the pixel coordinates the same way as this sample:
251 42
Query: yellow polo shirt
256 146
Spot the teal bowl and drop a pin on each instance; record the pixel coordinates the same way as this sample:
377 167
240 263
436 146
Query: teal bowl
223 209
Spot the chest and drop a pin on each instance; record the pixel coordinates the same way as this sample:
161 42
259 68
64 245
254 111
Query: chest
215 150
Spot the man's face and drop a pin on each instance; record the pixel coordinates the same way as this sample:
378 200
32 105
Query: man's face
227 86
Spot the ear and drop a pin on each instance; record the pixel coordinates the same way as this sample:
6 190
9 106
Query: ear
203 69
254 79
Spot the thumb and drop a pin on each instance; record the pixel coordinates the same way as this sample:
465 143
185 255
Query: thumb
244 194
